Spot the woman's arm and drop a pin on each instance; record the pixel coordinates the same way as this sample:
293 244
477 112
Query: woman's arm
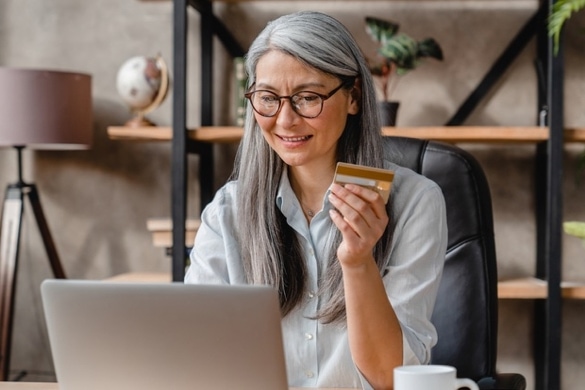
375 336
375 328
374 333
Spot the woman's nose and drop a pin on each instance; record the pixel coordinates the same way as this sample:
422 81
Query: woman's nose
287 115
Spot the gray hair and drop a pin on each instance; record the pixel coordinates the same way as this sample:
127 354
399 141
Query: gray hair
269 248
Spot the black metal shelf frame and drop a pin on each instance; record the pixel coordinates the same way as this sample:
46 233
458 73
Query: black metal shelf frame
547 343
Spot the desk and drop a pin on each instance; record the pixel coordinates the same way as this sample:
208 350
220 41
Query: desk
54 386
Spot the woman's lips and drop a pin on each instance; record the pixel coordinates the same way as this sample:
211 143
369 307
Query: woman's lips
295 139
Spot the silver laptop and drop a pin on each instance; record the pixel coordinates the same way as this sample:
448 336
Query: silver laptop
155 336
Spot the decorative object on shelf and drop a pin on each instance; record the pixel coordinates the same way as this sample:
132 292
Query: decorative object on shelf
39 109
143 84
397 54
561 12
575 228
241 81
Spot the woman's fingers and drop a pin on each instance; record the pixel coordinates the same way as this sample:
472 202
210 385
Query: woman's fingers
362 209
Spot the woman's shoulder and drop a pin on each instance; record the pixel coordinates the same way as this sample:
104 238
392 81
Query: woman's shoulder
407 179
228 190
414 194
224 199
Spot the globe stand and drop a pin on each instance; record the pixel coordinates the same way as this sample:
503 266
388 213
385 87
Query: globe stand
139 121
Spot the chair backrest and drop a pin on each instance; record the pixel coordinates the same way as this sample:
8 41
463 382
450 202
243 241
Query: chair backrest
466 310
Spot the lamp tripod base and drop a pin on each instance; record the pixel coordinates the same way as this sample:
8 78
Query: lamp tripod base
12 213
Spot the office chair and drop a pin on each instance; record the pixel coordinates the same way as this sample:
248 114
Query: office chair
466 310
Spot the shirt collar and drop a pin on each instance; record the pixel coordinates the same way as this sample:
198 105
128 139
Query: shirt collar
286 199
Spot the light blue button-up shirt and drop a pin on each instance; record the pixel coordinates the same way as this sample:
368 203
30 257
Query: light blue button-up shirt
318 355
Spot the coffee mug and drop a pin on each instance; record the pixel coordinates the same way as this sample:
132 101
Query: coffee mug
430 377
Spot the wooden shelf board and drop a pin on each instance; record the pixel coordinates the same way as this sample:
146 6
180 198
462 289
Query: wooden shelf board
532 2
165 133
135 277
575 134
519 288
165 224
533 288
162 235
454 134
483 134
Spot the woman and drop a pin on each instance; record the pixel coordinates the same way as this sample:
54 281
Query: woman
357 279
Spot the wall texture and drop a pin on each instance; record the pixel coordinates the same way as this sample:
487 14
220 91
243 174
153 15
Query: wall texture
97 201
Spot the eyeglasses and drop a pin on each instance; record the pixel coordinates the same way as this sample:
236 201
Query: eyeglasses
305 103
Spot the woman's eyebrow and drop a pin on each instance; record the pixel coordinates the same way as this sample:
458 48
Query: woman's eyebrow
300 87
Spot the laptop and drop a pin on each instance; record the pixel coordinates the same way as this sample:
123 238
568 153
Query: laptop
155 336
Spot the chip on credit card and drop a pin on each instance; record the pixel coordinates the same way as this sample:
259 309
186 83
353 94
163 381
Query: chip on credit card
376 179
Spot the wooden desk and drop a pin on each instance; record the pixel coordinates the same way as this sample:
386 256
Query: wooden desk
54 386
28 386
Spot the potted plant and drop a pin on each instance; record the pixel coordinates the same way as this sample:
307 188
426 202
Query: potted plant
561 12
397 54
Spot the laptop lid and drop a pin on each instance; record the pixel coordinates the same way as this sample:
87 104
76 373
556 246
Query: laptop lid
153 336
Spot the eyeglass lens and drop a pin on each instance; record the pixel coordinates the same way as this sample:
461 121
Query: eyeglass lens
267 103
305 103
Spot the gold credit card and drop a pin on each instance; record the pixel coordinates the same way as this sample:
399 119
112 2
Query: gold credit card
376 179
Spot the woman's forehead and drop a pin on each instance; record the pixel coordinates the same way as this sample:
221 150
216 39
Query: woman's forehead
276 67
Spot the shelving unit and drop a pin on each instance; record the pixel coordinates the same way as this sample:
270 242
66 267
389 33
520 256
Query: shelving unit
519 288
546 287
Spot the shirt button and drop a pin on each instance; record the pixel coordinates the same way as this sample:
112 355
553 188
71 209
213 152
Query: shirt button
309 374
308 336
311 294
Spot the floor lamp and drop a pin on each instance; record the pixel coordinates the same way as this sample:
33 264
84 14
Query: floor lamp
39 109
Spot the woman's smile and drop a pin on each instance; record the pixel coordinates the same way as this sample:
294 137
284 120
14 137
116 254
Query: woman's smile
294 139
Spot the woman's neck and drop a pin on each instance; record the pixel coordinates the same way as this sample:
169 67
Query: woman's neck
310 186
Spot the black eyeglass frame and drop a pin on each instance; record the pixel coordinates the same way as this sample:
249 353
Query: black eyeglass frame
323 97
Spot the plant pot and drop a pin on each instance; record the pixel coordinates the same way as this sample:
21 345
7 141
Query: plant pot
388 112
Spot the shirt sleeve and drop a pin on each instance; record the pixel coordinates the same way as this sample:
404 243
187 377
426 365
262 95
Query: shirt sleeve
416 264
215 257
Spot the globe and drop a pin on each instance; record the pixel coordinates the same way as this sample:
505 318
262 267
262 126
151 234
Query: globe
142 83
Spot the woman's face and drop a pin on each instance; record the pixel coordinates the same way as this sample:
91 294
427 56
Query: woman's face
297 140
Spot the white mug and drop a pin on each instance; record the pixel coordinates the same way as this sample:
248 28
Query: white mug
430 377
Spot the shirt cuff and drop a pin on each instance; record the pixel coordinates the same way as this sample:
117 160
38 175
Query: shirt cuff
408 358
408 355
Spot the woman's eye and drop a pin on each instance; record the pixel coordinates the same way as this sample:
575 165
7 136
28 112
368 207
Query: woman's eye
268 99
307 98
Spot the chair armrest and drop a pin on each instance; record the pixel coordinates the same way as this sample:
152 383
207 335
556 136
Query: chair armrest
503 382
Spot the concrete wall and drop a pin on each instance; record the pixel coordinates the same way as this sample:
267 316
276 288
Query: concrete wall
97 201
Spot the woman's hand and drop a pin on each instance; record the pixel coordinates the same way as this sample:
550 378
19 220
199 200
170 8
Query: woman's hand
361 218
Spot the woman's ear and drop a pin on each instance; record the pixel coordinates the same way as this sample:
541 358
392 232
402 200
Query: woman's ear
355 103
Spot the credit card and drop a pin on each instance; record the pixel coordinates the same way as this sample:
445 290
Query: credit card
376 179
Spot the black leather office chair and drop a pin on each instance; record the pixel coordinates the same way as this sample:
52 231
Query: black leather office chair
466 311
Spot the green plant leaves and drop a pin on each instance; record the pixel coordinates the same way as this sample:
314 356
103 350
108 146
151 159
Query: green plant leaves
402 50
561 12
430 48
575 228
381 30
398 48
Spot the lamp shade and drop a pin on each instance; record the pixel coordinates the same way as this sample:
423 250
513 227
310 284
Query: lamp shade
45 109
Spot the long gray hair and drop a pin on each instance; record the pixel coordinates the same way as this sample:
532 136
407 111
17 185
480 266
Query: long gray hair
270 250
